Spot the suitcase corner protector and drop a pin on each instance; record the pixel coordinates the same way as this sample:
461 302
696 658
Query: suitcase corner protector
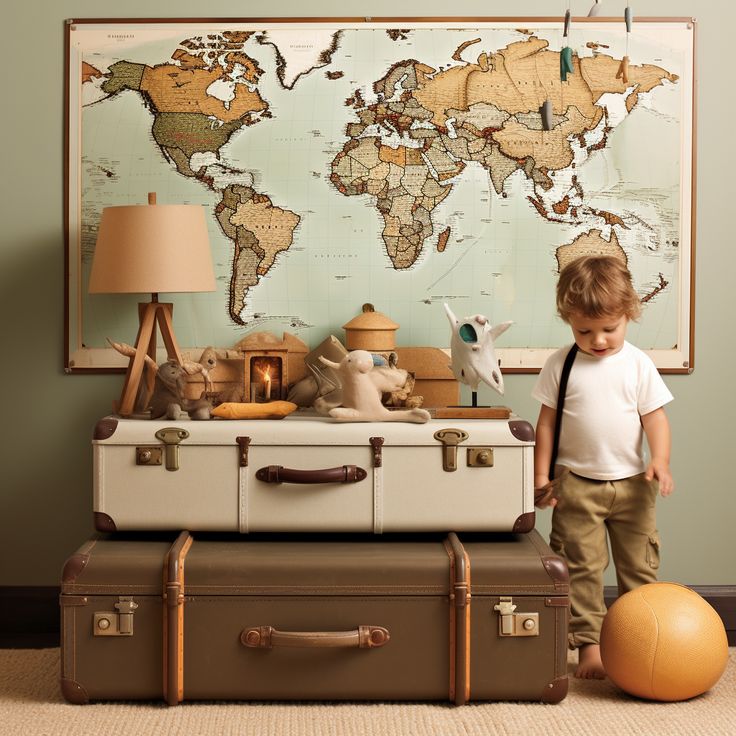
556 568
104 522
525 523
555 690
73 567
73 692
521 430
105 428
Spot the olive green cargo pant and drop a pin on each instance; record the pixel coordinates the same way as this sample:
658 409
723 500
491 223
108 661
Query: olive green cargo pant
585 510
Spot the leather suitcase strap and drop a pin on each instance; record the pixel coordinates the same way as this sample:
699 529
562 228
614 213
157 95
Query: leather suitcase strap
377 446
459 690
173 612
243 444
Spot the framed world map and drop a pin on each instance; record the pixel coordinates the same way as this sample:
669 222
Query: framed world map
402 162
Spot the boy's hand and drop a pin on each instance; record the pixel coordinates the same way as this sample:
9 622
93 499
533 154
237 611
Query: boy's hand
544 496
660 470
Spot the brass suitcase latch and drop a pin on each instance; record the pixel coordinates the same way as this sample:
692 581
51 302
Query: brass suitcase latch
118 622
171 437
513 623
477 457
450 439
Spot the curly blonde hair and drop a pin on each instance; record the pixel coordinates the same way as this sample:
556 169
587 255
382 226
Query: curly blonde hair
597 286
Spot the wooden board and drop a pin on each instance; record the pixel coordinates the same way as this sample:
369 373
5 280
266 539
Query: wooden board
472 412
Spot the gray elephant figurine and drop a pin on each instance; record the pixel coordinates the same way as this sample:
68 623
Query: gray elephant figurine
168 395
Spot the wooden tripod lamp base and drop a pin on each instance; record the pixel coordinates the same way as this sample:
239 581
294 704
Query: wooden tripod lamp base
150 314
151 249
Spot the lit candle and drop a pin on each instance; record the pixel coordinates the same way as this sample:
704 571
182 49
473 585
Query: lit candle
267 386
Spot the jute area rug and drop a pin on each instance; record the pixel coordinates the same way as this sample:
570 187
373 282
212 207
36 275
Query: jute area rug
30 705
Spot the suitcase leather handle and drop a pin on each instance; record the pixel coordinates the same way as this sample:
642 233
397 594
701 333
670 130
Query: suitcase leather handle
341 474
266 637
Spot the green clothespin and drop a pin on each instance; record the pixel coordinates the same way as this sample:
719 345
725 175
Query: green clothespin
566 53
566 66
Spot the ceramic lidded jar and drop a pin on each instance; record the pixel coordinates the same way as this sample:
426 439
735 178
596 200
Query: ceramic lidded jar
371 331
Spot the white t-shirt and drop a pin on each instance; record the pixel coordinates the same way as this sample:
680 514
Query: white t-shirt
601 435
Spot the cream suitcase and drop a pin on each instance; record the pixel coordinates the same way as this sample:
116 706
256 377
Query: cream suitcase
311 474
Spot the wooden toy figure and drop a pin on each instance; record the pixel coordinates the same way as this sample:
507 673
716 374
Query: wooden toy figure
472 349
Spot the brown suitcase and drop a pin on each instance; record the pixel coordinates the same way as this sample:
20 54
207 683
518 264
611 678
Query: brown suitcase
420 618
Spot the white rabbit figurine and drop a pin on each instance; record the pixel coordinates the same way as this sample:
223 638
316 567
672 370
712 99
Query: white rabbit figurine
361 397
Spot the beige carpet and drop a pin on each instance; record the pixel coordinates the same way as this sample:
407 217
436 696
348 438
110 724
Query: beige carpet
30 705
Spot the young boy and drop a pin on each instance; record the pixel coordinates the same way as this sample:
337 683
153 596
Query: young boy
614 396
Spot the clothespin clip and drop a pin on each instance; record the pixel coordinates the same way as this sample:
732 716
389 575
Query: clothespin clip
566 66
546 112
623 67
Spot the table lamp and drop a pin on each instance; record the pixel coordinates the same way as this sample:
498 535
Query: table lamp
150 249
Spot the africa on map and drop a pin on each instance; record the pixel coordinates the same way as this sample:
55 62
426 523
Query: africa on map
406 167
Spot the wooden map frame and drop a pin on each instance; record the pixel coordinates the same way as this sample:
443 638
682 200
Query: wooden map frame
78 359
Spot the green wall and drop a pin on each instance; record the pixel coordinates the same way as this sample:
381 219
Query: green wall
45 456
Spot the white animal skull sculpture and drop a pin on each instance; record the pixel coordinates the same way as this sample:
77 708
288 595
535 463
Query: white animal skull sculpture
472 350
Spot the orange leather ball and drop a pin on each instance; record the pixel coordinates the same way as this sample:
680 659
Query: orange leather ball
662 641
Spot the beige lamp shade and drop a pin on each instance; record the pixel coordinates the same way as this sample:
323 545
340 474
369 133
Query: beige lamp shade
150 249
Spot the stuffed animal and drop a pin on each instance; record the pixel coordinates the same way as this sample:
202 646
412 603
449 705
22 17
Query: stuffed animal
323 389
361 395
207 362
402 397
168 395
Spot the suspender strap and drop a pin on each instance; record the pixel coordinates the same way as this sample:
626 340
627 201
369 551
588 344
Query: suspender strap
566 368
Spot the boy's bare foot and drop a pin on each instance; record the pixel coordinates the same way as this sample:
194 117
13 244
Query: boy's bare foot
590 665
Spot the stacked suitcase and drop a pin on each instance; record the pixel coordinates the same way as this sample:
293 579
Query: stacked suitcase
305 559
